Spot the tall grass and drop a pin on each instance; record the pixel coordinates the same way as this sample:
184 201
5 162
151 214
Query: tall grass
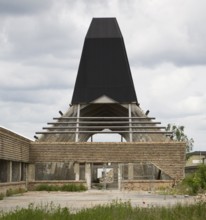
114 211
66 187
1 196
37 213
11 192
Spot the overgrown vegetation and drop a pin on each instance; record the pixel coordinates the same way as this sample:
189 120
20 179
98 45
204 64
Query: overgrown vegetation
193 183
66 187
196 182
114 211
1 196
11 192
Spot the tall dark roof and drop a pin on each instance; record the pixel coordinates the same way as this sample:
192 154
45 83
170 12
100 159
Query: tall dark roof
104 28
104 68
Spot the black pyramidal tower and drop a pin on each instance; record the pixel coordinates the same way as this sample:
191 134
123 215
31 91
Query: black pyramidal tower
104 99
104 68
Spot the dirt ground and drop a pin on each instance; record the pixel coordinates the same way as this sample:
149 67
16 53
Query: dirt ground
76 201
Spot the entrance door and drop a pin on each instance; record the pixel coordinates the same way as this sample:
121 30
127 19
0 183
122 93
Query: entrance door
104 176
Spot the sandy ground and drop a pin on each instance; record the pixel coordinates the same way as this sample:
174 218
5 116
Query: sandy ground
76 201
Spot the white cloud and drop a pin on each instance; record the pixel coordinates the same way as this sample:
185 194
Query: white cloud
193 104
167 31
19 7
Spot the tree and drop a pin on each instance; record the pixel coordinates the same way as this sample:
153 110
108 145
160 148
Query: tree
179 135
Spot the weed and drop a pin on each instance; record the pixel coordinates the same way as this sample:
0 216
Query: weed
1 196
11 192
115 211
196 182
65 187
192 184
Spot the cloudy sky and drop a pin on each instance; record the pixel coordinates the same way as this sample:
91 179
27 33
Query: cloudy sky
40 48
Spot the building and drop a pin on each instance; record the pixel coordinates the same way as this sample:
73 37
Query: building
194 159
104 101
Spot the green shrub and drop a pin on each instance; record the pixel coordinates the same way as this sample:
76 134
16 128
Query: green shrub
11 192
201 173
45 187
65 187
73 188
82 187
1 196
69 188
196 182
192 184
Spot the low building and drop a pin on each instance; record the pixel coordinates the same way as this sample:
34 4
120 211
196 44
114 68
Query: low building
194 159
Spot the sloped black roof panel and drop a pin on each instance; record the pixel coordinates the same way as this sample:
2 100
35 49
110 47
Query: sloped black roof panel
104 28
104 67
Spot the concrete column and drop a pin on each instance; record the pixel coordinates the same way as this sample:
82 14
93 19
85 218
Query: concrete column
77 125
130 171
3 171
88 175
130 123
119 176
9 171
26 175
20 171
31 172
76 171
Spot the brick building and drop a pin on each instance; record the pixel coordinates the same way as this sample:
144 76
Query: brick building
104 101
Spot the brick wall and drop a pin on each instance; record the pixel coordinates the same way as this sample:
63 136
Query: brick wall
168 156
146 185
13 146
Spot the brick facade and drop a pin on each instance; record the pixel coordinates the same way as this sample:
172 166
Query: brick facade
20 156
13 146
168 156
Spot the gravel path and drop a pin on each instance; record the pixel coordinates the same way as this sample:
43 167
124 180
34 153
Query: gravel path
78 200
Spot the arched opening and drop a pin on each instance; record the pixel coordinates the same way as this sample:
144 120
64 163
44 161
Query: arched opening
107 138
